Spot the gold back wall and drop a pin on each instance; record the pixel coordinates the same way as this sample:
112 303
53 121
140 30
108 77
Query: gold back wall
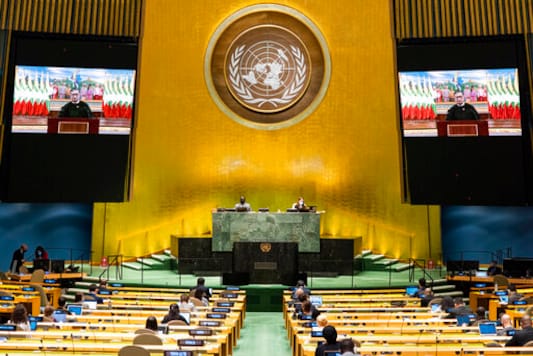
190 158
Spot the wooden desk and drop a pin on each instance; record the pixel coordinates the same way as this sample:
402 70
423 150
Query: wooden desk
56 276
475 279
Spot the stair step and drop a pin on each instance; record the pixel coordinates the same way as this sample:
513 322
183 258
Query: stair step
326 274
400 266
207 273
454 293
439 281
83 284
373 257
161 258
133 265
442 288
386 261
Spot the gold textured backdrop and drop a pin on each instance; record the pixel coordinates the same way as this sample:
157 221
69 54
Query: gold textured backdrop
190 158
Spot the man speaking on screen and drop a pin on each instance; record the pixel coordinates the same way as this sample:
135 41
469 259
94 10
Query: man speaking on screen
76 107
462 110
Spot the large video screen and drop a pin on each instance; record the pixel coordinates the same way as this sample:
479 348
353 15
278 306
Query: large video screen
430 96
464 121
68 119
43 92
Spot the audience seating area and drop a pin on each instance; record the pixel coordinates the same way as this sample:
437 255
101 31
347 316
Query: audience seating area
381 326
112 327
382 322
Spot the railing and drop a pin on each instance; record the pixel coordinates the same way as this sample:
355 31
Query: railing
189 265
323 267
71 256
479 255
415 263
113 260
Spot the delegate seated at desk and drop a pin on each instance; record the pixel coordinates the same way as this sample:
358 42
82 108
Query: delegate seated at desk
242 205
300 205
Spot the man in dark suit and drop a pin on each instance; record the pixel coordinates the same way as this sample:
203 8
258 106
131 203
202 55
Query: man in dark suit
200 285
459 308
493 269
521 337
331 344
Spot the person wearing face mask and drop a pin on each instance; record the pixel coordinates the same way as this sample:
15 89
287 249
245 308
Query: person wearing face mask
462 110
300 205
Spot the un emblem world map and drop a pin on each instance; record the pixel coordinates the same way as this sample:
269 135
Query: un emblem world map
267 66
267 74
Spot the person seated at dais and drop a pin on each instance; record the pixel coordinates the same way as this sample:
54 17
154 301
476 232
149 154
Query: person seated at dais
300 205
242 205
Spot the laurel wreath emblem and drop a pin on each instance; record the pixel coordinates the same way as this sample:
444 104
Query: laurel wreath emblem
247 96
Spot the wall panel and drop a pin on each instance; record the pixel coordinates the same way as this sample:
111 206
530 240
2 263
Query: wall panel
87 17
190 158
454 18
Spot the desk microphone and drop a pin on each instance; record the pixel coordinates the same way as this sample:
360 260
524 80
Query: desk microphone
418 340
42 347
72 340
94 332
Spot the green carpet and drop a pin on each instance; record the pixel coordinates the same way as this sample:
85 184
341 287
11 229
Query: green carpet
166 278
260 297
264 334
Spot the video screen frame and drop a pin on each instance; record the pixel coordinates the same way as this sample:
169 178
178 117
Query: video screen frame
41 92
467 170
426 97
44 168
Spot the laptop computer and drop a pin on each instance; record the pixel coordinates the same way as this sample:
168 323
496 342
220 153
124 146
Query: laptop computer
487 328
316 332
186 316
463 320
59 316
504 299
90 304
481 274
76 309
411 290
33 321
435 308
316 300
332 353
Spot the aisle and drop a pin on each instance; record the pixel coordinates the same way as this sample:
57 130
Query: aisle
264 334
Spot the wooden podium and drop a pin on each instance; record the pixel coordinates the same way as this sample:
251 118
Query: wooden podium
461 128
267 262
73 125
